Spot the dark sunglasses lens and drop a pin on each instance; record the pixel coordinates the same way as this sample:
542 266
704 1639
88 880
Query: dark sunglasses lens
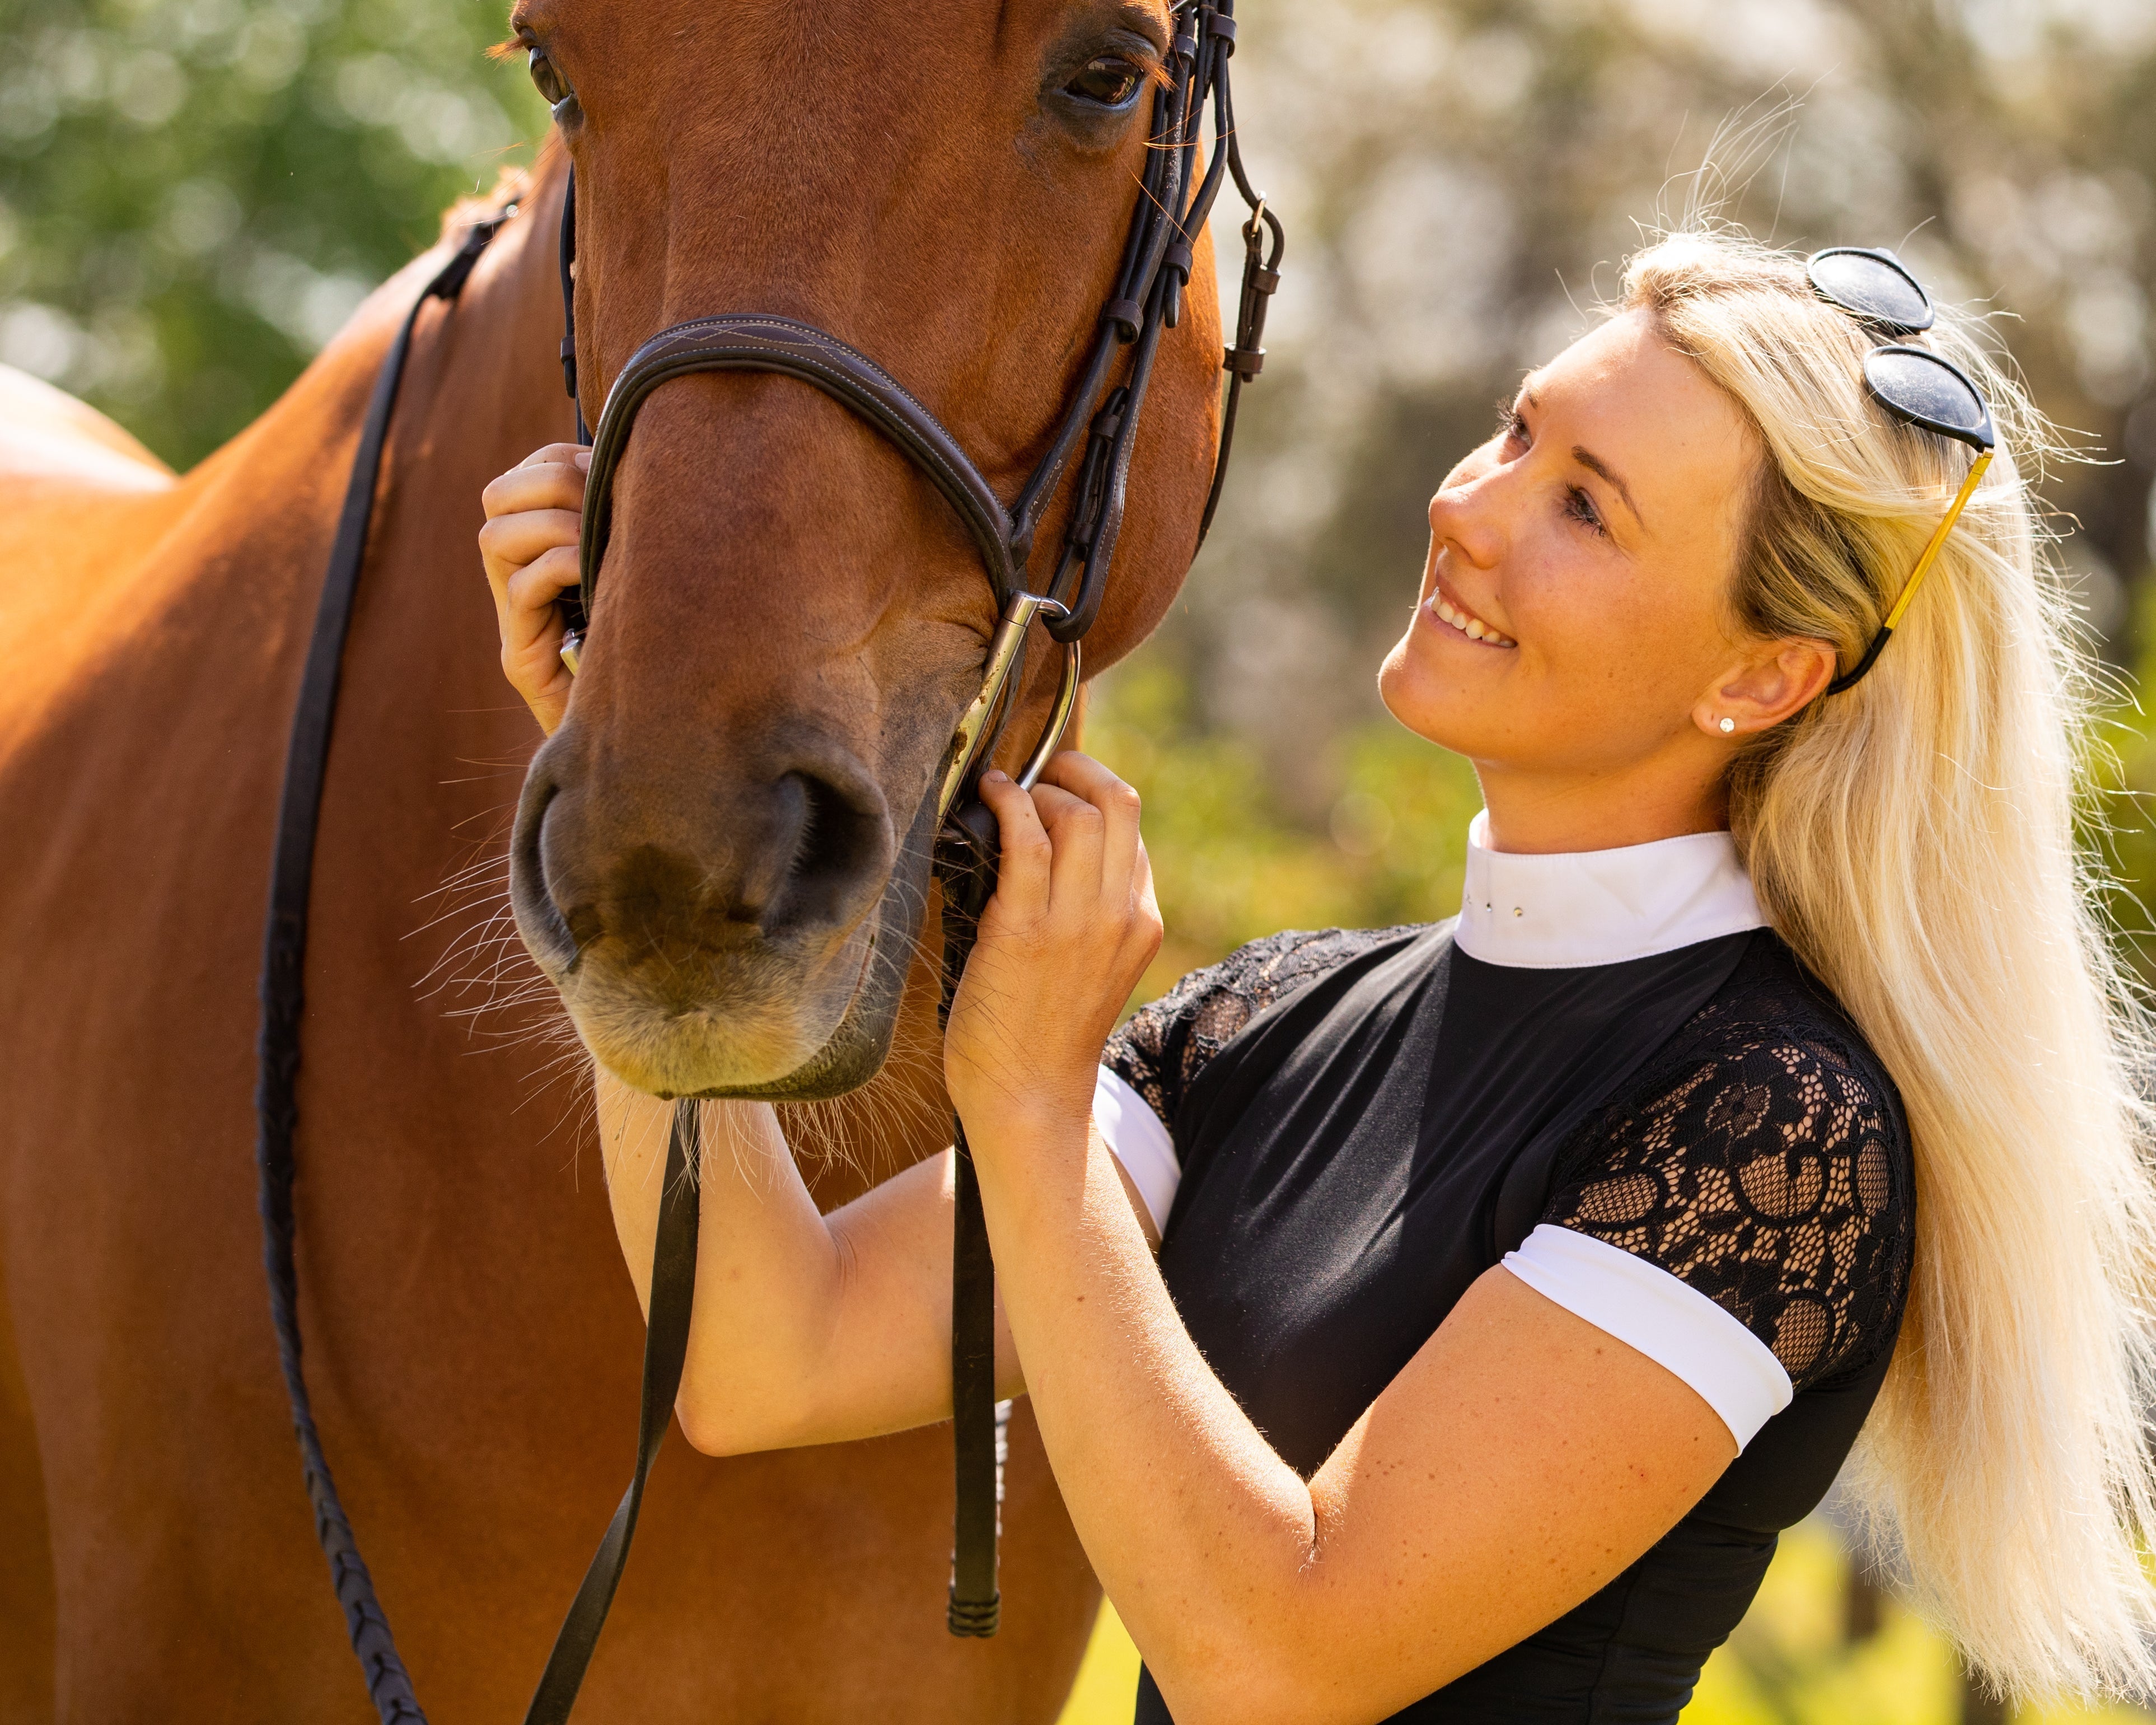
1875 287
1926 391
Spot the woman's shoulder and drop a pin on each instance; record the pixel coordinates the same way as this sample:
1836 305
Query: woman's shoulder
1762 1157
1163 1047
1776 1021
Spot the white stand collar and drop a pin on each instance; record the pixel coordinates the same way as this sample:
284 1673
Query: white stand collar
1588 907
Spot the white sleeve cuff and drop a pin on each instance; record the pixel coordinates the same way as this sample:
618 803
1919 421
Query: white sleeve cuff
1136 1138
1674 1325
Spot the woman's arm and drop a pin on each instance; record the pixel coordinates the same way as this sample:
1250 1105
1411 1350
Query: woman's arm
1522 1460
807 1329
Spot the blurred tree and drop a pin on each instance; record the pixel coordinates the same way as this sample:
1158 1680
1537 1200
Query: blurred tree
194 194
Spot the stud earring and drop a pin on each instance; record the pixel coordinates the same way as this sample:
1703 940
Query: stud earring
1727 724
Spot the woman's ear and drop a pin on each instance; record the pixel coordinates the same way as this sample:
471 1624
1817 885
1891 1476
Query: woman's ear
1781 678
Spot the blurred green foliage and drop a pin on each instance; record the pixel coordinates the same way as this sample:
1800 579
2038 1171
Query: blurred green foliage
1231 864
194 194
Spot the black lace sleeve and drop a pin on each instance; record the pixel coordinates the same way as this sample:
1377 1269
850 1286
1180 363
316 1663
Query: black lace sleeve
1764 1162
1166 1045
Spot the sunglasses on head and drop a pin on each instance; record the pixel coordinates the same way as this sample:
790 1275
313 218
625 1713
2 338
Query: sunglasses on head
1914 384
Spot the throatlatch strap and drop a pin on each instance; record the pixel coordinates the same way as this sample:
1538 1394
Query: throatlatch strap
665 1348
283 995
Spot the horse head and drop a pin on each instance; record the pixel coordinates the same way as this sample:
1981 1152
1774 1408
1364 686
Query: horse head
721 858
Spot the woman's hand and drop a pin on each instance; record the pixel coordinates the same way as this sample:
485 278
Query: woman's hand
1070 929
534 513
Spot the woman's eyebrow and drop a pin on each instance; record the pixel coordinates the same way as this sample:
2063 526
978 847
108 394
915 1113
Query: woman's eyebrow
1594 464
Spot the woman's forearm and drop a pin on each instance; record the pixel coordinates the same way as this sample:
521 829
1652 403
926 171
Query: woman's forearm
1196 1528
767 1269
1523 1458
808 1328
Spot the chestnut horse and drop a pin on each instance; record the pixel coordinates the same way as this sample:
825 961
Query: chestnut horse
792 622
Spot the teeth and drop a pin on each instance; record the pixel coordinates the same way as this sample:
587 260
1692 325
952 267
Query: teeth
1473 627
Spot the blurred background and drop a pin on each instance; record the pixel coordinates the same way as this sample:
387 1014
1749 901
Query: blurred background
195 193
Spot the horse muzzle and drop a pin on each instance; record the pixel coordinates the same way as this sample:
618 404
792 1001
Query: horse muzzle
750 937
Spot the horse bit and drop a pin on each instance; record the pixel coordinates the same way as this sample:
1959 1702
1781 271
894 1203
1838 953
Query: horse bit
1173 204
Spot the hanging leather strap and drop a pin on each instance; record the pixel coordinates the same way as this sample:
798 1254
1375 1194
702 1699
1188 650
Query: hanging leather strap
665 1348
975 1606
965 877
283 995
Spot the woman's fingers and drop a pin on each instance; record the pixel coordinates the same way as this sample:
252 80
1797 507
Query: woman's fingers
577 455
1119 808
1071 928
1076 831
532 632
539 483
509 542
528 549
528 611
1074 867
1023 875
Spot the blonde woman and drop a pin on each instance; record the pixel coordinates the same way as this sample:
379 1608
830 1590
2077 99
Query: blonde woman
1441 1322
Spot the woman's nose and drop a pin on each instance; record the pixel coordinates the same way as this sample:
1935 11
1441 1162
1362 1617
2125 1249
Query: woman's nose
1466 514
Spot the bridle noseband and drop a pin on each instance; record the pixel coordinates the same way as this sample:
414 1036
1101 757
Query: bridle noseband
1173 204
751 342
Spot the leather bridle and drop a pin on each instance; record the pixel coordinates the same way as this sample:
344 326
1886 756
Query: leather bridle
1174 203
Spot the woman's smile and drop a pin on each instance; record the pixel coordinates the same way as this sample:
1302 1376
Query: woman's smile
1444 605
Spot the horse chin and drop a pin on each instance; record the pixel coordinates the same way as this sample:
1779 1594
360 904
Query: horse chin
781 1041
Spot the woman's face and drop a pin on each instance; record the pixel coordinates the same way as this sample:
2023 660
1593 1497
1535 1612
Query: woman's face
1573 623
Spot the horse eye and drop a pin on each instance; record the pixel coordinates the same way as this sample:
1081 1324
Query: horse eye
1109 80
549 83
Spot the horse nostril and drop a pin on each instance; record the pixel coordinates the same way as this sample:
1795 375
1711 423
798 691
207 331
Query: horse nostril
838 845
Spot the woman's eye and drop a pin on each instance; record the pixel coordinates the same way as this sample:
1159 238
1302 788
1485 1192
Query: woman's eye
1581 508
1511 423
1109 81
549 83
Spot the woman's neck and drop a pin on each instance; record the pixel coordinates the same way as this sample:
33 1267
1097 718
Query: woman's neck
1537 814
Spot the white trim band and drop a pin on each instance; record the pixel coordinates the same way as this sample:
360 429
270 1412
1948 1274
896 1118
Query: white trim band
1137 1140
1675 1326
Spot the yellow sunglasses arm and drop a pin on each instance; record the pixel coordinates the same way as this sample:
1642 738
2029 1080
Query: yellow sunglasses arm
1939 538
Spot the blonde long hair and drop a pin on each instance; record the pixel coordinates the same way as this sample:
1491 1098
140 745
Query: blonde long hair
1914 840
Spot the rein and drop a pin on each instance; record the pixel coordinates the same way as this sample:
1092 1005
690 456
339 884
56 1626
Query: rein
284 988
1173 207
